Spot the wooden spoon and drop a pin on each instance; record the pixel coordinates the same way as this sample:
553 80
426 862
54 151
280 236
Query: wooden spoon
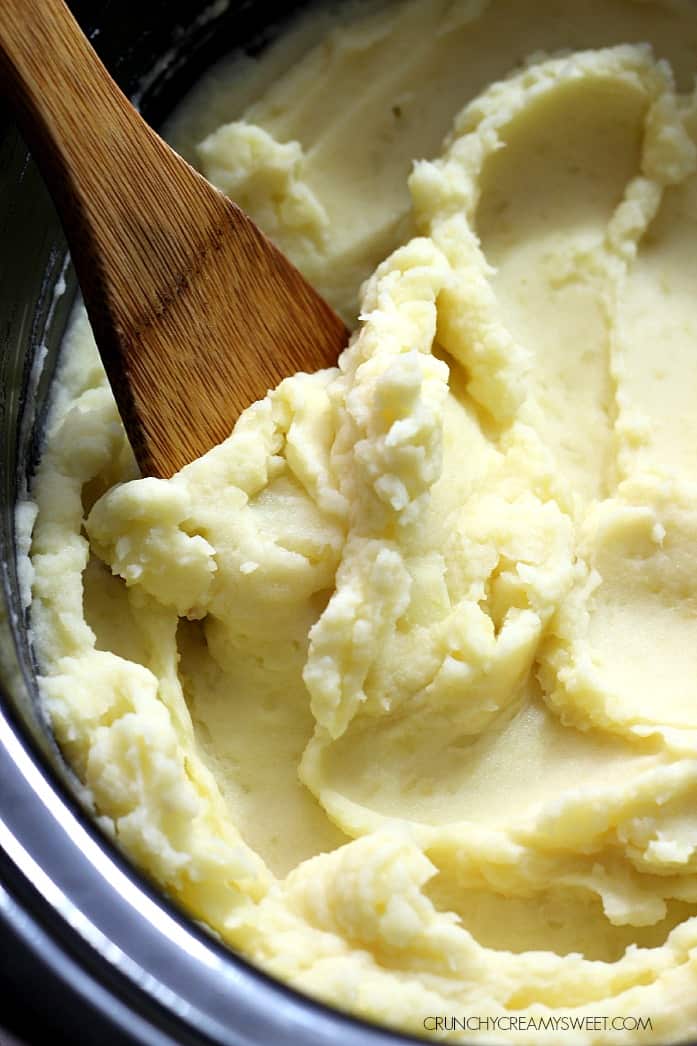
196 314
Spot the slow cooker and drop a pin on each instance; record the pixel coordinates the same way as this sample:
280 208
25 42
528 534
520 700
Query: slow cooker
90 952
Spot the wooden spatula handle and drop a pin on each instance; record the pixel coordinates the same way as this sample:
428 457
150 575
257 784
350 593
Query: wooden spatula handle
105 167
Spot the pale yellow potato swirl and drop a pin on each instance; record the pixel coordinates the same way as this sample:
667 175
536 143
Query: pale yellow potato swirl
396 689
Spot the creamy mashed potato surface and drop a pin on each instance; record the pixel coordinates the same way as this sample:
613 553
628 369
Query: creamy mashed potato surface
396 689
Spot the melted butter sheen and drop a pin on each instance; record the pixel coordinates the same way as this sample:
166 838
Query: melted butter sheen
397 687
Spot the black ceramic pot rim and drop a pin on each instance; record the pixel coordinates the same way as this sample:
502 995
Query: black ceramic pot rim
118 947
94 947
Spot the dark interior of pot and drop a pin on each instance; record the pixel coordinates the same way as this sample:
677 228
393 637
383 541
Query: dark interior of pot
114 960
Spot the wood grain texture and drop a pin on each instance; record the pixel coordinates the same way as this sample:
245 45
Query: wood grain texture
196 314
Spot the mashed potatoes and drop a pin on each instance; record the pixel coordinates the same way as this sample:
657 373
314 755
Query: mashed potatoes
396 689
